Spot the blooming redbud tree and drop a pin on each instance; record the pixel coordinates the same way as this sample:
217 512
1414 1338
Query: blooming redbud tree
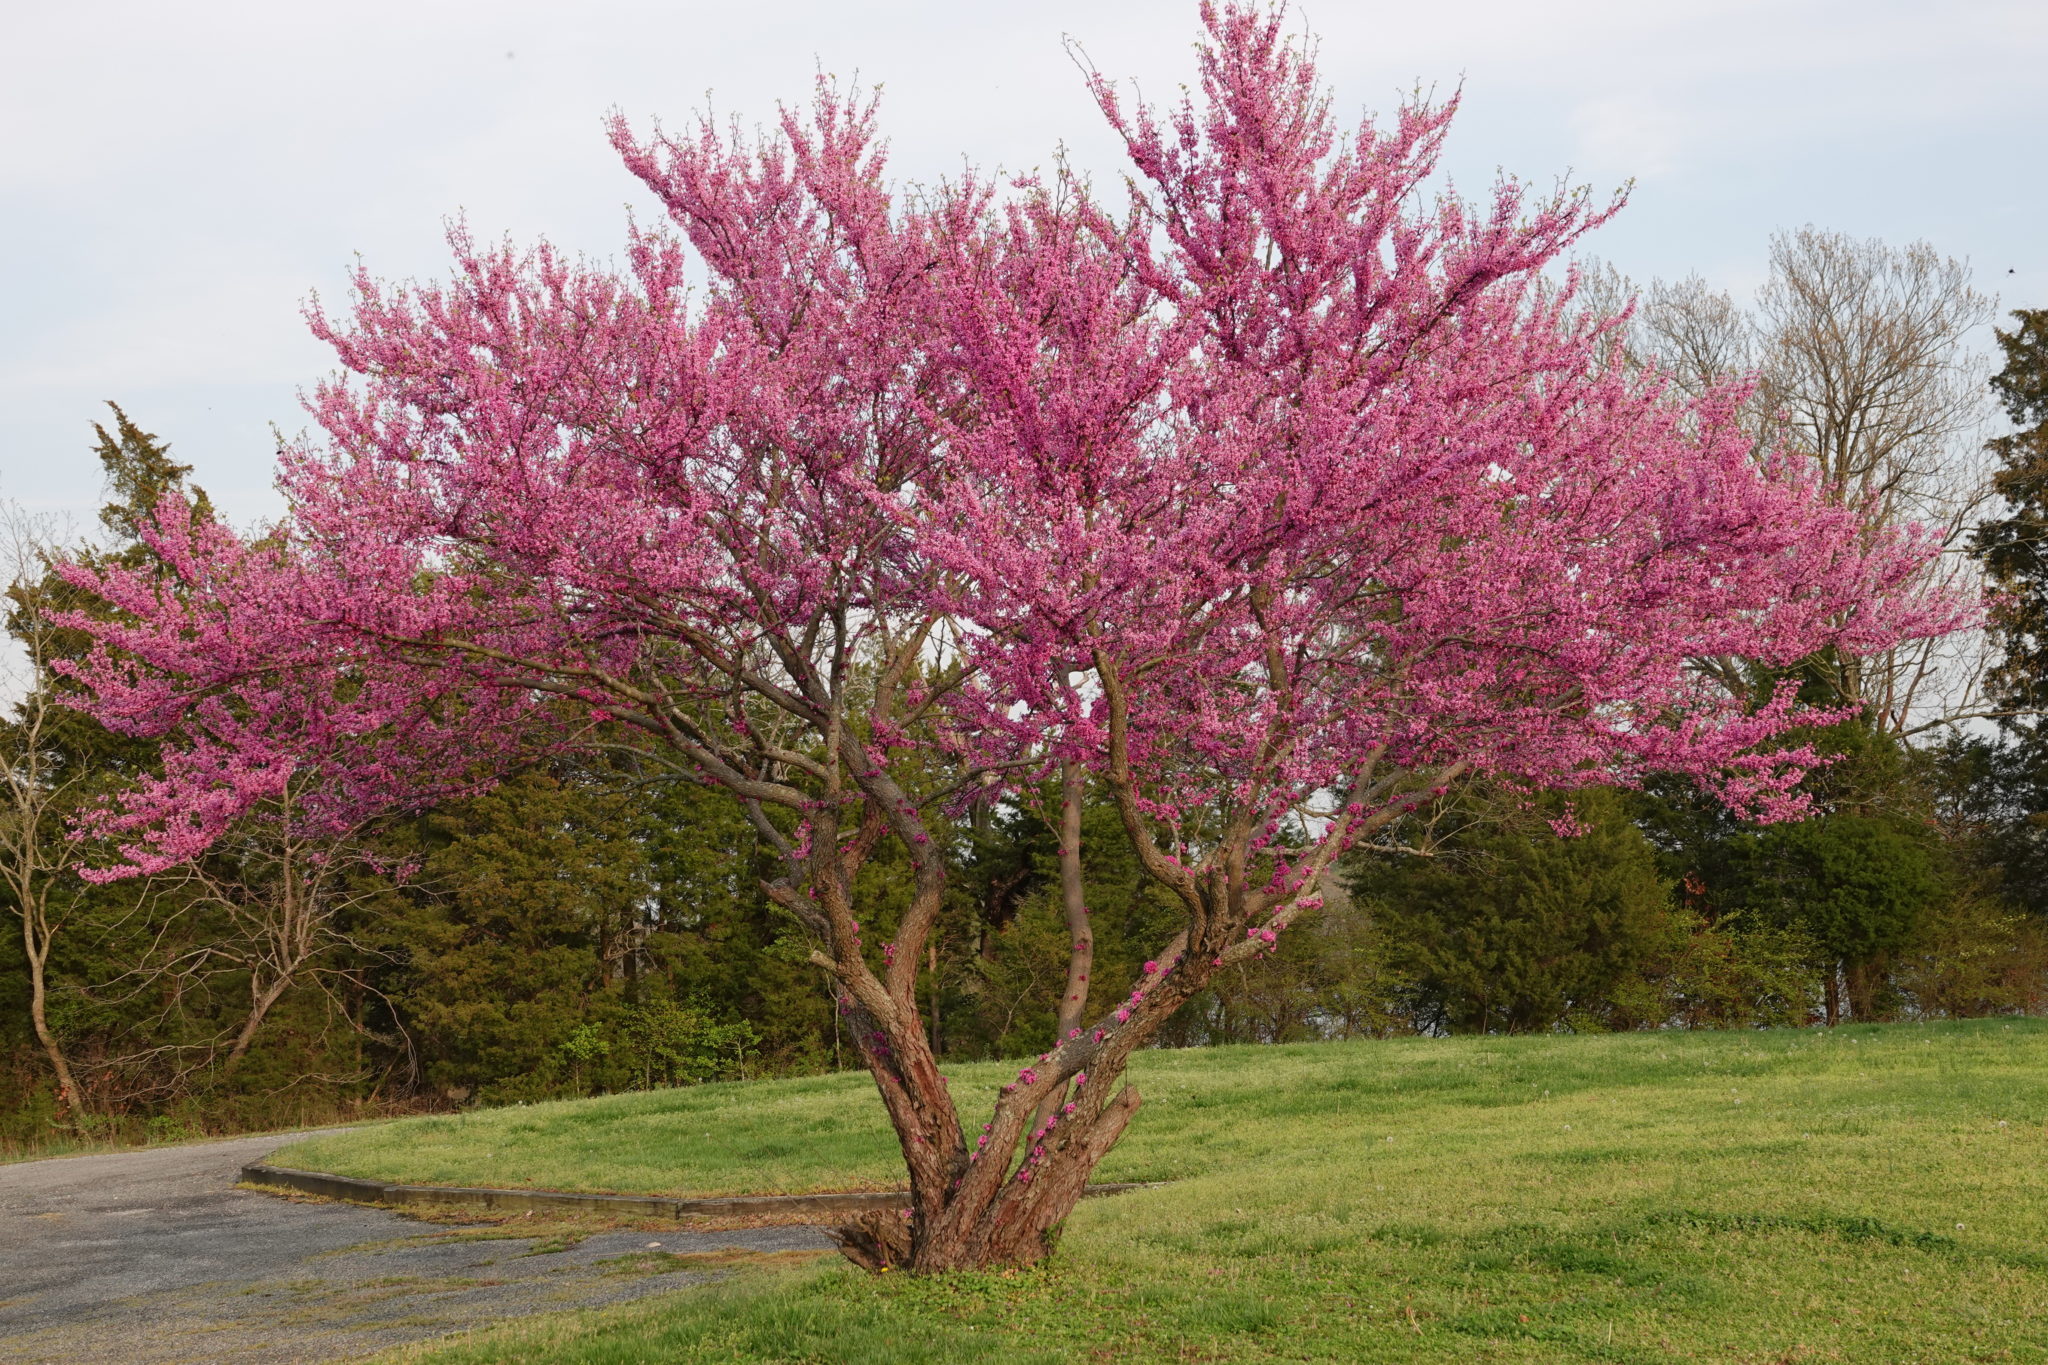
1277 500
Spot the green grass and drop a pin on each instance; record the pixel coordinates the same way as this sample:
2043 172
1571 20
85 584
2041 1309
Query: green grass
1872 1194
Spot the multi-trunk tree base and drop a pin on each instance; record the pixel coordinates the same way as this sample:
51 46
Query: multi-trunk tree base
972 1228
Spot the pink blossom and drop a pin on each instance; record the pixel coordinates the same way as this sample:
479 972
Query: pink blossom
808 418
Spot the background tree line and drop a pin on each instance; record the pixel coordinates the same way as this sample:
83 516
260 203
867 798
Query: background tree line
591 926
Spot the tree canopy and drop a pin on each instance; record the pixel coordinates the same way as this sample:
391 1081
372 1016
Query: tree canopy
1279 501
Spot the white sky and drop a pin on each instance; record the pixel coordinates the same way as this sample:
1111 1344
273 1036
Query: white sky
175 179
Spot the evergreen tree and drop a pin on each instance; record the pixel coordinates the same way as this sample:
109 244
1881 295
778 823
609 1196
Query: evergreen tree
1858 881
2014 547
1861 886
1009 919
56 762
138 470
148 985
1512 928
2014 551
566 934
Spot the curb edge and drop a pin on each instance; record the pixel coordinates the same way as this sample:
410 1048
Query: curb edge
644 1206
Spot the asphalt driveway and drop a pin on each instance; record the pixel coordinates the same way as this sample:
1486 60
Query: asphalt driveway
153 1257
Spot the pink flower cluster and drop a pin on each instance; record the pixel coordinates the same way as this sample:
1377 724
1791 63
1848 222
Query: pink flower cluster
1277 501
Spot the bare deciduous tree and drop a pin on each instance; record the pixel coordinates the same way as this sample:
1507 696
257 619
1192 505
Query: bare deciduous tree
1862 347
35 856
275 898
1699 335
1862 353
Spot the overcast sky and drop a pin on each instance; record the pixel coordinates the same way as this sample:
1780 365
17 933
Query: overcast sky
176 179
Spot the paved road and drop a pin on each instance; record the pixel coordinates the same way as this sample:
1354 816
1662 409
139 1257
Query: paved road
152 1257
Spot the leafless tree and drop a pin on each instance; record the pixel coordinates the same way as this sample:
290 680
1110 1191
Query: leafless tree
1862 357
1862 347
36 858
1699 335
274 901
1864 351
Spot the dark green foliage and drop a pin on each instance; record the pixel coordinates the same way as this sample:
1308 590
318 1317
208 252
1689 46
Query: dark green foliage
564 934
1511 928
523 903
139 471
2013 792
1332 976
656 1043
1859 885
2014 547
1005 938
1863 879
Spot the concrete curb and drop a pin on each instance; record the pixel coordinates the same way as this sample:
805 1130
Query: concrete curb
626 1205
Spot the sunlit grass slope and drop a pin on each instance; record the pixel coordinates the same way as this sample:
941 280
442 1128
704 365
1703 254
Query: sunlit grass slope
1870 1194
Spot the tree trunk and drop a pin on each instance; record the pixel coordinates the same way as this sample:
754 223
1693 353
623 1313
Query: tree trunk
260 1002
932 963
1861 981
68 1098
1080 935
997 1211
1004 1202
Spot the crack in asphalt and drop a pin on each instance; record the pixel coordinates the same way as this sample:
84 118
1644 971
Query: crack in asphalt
154 1258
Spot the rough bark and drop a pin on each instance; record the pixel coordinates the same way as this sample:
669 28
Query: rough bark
1080 934
261 998
37 950
35 793
1004 1202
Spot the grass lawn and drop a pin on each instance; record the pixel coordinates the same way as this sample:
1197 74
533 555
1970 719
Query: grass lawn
1869 1194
